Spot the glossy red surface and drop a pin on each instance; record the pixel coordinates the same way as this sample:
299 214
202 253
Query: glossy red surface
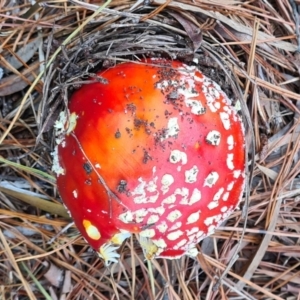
142 149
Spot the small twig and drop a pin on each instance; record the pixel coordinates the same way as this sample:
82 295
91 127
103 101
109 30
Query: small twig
110 194
151 277
60 233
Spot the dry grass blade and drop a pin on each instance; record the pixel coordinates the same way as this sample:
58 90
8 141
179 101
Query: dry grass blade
10 256
44 205
40 287
251 48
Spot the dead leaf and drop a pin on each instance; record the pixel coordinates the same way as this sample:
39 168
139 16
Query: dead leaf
24 54
191 29
53 274
268 172
14 83
67 285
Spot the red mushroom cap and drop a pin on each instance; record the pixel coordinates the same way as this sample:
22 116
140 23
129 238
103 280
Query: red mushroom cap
158 151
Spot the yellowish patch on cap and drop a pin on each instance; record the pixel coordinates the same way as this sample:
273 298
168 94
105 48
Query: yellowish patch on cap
197 145
91 230
136 229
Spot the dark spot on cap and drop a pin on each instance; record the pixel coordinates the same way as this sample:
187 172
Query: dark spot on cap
146 226
131 108
146 157
87 168
88 182
173 95
122 186
138 123
118 134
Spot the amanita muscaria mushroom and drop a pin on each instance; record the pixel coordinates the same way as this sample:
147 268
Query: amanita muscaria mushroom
158 151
